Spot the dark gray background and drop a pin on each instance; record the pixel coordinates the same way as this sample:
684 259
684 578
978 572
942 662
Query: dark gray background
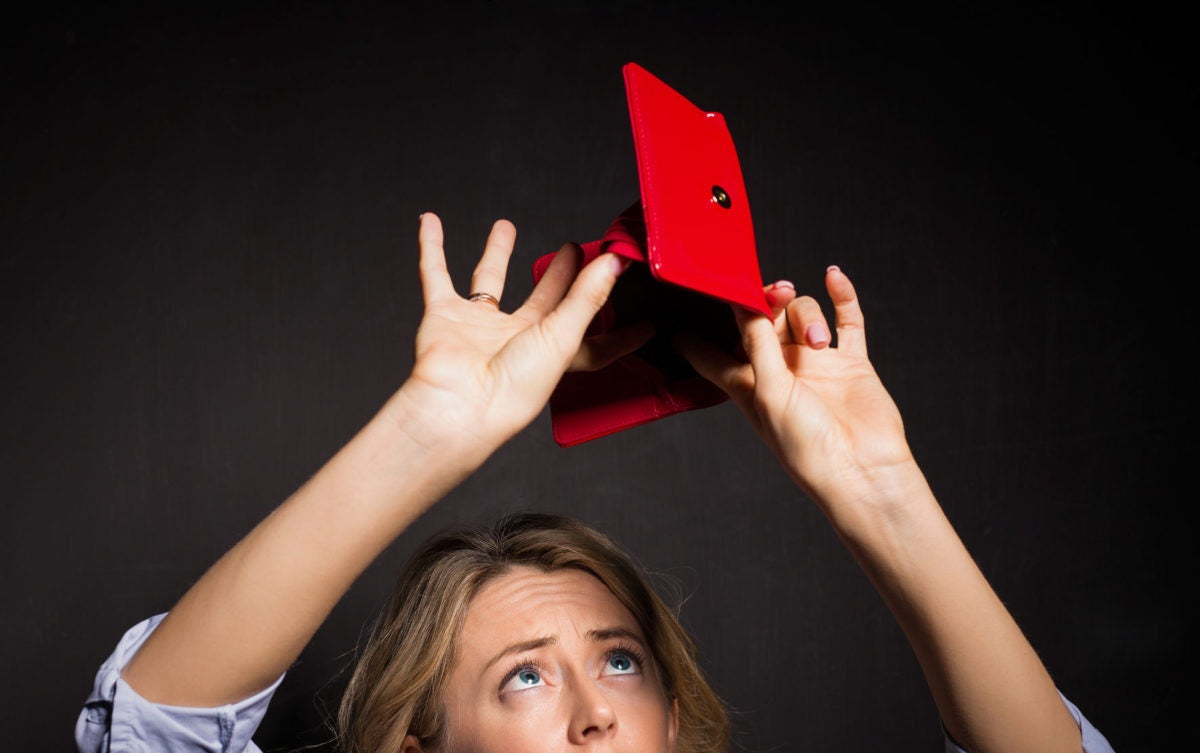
208 257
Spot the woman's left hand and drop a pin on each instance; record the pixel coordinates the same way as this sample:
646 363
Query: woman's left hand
821 409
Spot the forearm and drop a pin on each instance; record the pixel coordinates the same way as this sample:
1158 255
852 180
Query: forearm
990 687
247 619
479 377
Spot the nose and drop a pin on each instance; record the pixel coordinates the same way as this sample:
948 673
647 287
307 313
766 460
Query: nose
593 717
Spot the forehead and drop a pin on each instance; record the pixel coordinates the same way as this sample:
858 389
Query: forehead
526 603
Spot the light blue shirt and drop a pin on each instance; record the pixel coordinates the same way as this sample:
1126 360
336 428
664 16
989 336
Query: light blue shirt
115 719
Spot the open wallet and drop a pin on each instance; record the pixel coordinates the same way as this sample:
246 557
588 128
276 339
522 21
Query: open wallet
691 241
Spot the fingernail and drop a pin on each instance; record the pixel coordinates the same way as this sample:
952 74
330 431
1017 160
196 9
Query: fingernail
833 268
817 335
783 284
620 263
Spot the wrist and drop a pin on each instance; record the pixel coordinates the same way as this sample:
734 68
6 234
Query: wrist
877 499
431 433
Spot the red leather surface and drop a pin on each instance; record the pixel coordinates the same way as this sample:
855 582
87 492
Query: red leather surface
684 152
632 391
689 242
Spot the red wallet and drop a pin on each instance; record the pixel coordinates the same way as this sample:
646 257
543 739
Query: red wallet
692 234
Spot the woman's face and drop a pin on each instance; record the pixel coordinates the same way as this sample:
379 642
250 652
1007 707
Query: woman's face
551 661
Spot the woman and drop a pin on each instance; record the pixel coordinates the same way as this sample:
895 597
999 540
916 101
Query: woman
430 672
581 666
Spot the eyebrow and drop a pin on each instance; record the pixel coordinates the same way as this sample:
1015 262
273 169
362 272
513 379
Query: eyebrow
604 634
595 635
523 646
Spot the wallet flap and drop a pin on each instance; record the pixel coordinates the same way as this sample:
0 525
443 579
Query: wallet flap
626 236
641 387
691 229
588 405
699 233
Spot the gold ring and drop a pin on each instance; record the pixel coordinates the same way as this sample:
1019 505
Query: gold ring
484 297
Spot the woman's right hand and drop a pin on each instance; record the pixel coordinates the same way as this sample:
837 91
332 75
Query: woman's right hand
481 375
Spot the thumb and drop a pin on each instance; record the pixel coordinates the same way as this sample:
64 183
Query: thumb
565 326
761 343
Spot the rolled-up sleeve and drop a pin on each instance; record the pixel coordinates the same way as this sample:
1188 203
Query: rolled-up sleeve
115 719
1093 741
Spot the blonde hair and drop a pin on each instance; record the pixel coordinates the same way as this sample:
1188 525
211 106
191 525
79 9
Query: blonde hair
402 670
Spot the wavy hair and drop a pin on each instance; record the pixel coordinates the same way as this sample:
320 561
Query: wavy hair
400 677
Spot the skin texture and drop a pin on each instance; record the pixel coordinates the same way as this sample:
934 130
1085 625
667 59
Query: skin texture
480 376
837 432
550 662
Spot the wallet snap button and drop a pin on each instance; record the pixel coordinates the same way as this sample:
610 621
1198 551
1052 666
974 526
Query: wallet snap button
721 197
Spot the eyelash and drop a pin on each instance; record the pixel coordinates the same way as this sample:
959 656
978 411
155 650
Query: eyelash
627 650
624 649
521 666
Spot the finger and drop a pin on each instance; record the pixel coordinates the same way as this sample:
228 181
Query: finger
848 315
492 268
566 324
599 351
732 376
553 285
762 347
807 323
435 278
779 295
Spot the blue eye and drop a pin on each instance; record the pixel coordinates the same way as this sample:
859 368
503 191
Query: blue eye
528 677
522 678
621 664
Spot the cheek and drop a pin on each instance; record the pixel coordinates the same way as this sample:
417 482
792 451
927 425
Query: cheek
537 720
530 723
651 720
